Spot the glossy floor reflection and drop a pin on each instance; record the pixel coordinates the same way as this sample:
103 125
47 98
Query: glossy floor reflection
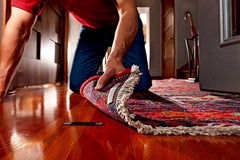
31 128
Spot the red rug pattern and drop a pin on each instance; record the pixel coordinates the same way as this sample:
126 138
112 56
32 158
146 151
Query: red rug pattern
174 102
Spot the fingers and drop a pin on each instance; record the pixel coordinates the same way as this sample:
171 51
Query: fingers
112 69
103 80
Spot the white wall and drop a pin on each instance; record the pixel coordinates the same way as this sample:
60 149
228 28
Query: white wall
219 65
73 34
182 28
155 35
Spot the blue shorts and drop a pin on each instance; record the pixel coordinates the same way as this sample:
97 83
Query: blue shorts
91 49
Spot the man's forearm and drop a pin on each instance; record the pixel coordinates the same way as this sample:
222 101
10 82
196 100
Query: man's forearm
125 34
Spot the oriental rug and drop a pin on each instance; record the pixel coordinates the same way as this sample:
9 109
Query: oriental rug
170 107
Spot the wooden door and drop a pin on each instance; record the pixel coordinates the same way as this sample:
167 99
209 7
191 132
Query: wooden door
168 51
43 57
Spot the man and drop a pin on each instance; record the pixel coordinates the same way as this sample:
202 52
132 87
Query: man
107 23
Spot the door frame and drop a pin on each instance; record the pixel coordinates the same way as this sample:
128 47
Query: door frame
174 39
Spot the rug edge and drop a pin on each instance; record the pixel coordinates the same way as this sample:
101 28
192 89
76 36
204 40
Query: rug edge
127 90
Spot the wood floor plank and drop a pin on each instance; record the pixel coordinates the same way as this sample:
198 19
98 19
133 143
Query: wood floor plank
143 145
148 147
216 147
108 142
28 143
55 141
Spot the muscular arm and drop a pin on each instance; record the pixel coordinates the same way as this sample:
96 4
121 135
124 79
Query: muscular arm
124 36
15 36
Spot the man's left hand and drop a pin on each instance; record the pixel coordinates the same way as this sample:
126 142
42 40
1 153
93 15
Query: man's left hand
112 69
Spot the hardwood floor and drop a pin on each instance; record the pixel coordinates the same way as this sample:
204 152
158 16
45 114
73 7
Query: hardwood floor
31 128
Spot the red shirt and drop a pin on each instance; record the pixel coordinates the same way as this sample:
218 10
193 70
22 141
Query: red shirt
90 13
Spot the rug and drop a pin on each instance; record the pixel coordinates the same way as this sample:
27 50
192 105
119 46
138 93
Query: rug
170 107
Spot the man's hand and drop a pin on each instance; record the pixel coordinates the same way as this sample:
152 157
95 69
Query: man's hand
124 36
113 67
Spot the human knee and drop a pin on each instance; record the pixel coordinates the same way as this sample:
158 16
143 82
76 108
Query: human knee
75 85
75 88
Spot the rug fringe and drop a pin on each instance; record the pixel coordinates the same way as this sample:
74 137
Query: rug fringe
127 90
